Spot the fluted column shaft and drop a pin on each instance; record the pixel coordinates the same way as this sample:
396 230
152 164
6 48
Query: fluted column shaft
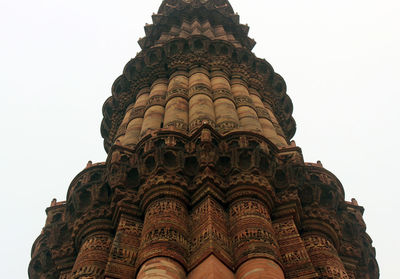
124 124
324 256
254 242
161 267
265 119
247 115
135 118
275 122
177 105
154 115
225 110
201 106
124 249
260 268
93 256
165 234
295 259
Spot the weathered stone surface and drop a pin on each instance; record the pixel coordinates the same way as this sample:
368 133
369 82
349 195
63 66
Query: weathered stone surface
201 179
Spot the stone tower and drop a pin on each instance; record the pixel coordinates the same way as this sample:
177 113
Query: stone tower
201 178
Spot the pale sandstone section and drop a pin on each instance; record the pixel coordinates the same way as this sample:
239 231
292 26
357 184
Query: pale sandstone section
189 100
275 122
154 115
177 107
201 106
247 115
136 118
265 120
224 105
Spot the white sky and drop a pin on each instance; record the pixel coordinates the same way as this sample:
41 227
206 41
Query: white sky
59 58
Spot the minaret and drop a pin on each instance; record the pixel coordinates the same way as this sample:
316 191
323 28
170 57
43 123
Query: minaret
202 179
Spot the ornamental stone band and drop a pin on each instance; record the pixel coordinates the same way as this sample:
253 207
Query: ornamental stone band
201 178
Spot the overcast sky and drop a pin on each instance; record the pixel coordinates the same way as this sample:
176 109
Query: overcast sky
59 58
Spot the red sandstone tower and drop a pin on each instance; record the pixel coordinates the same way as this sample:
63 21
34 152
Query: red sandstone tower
201 179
